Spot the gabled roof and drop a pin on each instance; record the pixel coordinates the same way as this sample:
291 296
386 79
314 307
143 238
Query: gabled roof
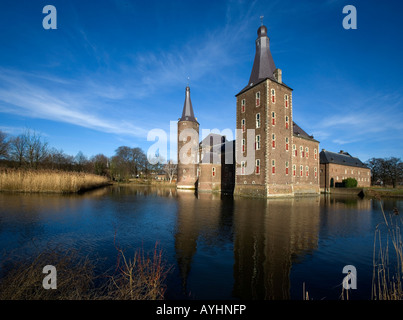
187 113
343 158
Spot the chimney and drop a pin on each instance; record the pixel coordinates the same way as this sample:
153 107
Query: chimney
278 75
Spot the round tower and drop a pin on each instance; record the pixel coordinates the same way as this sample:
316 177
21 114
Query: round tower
188 146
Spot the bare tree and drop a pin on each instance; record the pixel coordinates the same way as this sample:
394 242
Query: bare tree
4 145
36 150
18 146
387 170
170 169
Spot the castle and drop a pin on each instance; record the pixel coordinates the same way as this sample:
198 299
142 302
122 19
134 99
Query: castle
271 155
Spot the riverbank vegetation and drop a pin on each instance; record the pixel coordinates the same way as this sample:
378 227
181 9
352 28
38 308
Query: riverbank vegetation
139 278
49 181
30 151
388 246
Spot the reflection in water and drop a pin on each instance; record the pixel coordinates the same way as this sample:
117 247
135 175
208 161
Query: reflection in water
266 235
220 246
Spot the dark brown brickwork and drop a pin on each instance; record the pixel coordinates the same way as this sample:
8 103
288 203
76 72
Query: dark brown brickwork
274 151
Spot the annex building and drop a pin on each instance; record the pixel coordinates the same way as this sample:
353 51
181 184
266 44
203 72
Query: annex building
335 167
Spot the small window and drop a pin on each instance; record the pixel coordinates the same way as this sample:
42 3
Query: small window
286 168
316 172
243 105
315 153
257 169
273 140
294 150
257 99
273 166
301 151
286 100
307 152
257 120
301 169
294 170
243 126
273 118
243 145
307 171
242 167
273 95
257 142
286 122
213 172
286 143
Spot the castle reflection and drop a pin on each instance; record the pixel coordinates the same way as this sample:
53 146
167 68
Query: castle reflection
266 235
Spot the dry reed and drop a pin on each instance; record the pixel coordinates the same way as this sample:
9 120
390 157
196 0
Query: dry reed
48 181
142 278
387 279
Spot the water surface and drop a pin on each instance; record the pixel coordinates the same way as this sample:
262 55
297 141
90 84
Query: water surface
219 247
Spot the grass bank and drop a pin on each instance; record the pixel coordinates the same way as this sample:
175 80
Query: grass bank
377 192
49 181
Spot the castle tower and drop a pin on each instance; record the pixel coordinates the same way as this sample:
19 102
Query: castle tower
275 157
265 106
188 145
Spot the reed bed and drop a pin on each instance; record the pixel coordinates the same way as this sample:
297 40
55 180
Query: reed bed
48 181
387 275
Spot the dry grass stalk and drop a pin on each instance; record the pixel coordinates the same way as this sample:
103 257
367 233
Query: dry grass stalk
387 283
49 181
140 278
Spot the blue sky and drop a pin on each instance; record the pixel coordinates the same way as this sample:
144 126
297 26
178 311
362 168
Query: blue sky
116 69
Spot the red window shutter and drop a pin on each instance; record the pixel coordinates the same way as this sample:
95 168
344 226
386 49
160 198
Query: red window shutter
286 170
274 144
286 125
286 146
273 169
257 169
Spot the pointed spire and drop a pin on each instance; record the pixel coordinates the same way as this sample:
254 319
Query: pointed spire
263 65
188 114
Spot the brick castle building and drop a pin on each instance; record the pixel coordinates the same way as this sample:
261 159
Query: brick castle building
271 155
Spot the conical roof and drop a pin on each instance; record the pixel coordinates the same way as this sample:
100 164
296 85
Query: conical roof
188 114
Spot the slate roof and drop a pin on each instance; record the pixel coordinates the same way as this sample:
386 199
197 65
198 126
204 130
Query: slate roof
343 158
187 113
263 65
297 130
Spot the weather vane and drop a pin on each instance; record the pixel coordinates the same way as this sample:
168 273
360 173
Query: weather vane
261 19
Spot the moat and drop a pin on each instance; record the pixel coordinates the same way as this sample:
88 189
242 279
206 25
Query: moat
219 247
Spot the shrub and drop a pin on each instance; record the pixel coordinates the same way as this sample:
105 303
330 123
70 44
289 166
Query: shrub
350 183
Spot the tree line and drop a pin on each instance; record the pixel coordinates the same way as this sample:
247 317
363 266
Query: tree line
30 150
386 171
